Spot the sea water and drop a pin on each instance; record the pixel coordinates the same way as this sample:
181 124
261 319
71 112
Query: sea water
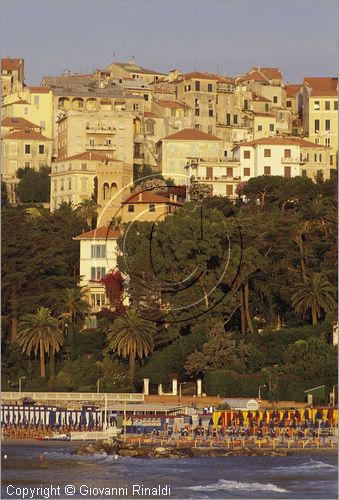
33 470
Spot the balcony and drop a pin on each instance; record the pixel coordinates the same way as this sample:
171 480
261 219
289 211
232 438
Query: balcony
222 178
291 160
101 130
225 88
101 147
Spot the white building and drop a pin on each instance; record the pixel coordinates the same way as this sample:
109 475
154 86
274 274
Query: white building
285 156
98 255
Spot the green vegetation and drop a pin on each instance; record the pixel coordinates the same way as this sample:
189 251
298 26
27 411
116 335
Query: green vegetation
34 186
238 294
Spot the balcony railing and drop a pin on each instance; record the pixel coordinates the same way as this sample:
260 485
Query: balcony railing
221 178
98 130
101 147
291 160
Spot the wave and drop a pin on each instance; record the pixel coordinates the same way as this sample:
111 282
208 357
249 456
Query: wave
309 465
223 484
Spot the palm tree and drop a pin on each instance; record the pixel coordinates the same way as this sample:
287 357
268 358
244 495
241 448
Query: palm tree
89 210
72 307
315 294
40 332
131 337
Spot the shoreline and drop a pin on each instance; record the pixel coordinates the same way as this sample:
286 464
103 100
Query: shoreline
87 448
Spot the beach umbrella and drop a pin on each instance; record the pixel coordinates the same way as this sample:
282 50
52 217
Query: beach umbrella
52 418
249 415
306 414
285 414
297 414
211 421
220 420
200 421
319 415
70 419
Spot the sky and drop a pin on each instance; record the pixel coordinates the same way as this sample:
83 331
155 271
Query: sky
224 36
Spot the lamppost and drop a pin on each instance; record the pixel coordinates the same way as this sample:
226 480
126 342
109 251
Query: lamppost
20 378
259 395
180 384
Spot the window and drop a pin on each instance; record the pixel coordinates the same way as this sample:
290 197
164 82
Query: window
27 149
97 273
235 119
316 105
336 105
98 300
27 164
288 104
327 105
84 166
229 172
259 128
228 119
210 129
287 172
130 208
328 125
266 107
209 172
150 127
197 112
267 153
246 104
197 85
197 126
187 88
98 251
304 173
210 112
69 183
271 127
91 142
151 207
247 154
247 172
36 100
209 87
229 190
316 126
275 99
327 141
287 153
146 97
267 170
41 149
282 116
136 107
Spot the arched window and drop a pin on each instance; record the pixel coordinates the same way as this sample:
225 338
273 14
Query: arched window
78 103
64 103
106 191
114 189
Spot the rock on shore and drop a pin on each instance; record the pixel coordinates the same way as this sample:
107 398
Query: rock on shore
117 447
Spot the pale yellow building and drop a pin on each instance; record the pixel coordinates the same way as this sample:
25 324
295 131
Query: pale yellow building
320 113
12 75
35 104
174 151
22 147
133 70
148 206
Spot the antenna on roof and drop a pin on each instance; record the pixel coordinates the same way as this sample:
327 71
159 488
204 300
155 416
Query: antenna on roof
114 57
195 66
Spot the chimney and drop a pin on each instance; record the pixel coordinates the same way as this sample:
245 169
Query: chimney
140 197
90 155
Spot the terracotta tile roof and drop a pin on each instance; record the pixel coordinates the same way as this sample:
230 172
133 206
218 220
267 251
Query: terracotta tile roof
17 123
191 134
39 90
148 197
280 141
322 86
27 134
100 233
254 76
292 89
260 98
269 73
171 104
16 102
10 64
205 76
88 155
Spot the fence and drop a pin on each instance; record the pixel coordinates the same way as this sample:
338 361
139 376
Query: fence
74 396
94 435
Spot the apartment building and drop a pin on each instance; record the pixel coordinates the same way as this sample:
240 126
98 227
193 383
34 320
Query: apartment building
98 255
100 132
12 75
34 104
267 82
175 150
132 70
284 156
148 206
320 113
222 176
22 145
